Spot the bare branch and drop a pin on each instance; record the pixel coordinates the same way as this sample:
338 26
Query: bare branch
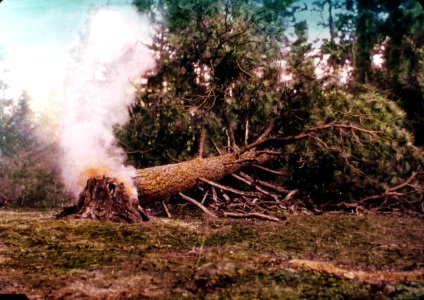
306 133
204 197
229 189
263 138
265 184
200 206
259 189
393 191
246 133
289 196
165 207
214 194
281 173
217 148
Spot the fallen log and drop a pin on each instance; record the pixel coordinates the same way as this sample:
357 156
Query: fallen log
105 198
161 182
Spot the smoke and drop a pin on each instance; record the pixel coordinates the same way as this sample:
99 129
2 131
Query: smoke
97 93
91 94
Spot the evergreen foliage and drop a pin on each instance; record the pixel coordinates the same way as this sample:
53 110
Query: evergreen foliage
220 71
28 175
347 164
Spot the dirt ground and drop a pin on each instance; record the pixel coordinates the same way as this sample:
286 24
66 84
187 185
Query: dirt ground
333 256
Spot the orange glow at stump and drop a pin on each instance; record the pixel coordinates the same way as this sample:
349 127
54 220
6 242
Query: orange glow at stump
103 171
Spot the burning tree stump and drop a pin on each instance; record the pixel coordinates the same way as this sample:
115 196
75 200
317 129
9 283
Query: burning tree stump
105 198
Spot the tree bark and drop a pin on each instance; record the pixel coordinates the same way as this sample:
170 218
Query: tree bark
161 182
105 198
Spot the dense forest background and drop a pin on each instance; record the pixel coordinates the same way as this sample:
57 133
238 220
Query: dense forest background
341 117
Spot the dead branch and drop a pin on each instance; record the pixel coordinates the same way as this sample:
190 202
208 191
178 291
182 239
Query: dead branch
269 152
281 173
259 189
204 198
231 140
289 196
246 133
214 194
393 191
200 206
307 132
229 189
165 207
226 197
217 148
277 188
264 138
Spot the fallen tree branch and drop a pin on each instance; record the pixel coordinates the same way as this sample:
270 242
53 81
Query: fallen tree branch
165 207
281 173
392 191
229 189
289 196
204 198
277 188
194 202
259 189
264 138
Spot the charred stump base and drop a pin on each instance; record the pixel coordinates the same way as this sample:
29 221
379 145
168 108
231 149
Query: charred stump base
105 198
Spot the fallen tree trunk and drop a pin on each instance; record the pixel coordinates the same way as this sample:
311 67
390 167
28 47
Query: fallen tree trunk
161 182
106 199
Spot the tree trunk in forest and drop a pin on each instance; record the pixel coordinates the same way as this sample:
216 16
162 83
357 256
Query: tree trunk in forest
161 182
106 199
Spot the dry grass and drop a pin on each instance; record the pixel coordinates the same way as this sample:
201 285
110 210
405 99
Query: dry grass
309 257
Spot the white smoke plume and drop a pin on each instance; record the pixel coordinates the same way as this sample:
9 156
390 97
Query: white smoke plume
97 95
87 92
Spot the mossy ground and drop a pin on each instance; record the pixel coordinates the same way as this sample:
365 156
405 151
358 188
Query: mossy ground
47 258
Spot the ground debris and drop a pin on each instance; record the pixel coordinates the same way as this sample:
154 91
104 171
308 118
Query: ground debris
311 256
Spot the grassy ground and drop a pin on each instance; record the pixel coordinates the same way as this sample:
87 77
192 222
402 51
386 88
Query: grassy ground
326 256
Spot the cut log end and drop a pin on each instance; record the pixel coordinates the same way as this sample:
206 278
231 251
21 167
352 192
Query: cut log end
104 198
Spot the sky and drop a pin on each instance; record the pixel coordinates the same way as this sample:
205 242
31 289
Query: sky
55 24
36 39
41 23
